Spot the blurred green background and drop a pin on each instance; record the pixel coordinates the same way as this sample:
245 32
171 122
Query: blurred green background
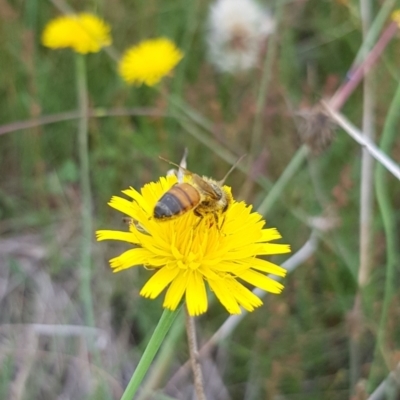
297 345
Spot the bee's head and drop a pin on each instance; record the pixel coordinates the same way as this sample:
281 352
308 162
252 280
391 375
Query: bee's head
217 189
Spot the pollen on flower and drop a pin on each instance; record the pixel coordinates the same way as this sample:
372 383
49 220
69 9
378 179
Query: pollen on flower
187 256
83 33
149 61
237 30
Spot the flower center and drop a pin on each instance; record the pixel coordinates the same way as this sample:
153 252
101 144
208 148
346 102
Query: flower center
192 262
188 262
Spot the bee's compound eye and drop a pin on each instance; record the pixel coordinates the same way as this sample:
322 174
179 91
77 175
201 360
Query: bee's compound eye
217 190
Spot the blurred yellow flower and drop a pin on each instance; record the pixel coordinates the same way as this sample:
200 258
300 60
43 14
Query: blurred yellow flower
184 254
149 61
396 16
83 33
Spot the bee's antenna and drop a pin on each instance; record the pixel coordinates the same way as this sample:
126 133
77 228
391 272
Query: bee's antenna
222 181
176 165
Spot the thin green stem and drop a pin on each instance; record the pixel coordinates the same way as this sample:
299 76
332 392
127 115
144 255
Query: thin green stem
367 161
264 85
257 131
166 356
192 22
366 210
154 344
283 180
87 223
374 30
389 135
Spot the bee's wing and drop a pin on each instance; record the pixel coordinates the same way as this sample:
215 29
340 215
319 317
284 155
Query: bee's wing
182 166
182 171
179 173
205 187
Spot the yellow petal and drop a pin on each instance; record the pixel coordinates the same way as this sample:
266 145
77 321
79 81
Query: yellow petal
130 258
116 235
152 192
273 248
242 240
196 295
176 290
270 234
124 206
158 282
229 266
135 195
261 281
158 247
265 266
245 297
226 298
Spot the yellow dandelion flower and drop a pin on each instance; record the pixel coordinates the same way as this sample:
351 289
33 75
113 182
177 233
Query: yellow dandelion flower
83 33
149 61
184 253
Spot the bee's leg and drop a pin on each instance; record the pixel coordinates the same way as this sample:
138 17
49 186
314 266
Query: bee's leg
128 220
217 221
222 223
132 222
201 216
216 217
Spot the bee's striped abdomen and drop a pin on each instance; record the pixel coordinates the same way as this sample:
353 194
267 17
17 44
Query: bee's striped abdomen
180 198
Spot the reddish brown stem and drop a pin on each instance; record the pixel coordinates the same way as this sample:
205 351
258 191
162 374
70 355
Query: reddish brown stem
358 72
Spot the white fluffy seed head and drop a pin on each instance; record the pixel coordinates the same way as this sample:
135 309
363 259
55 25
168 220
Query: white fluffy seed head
237 30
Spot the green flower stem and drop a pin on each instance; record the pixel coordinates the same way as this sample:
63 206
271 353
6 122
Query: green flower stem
257 133
366 210
382 186
283 180
87 223
154 344
263 87
161 365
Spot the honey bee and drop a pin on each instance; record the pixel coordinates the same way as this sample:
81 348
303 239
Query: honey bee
205 196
